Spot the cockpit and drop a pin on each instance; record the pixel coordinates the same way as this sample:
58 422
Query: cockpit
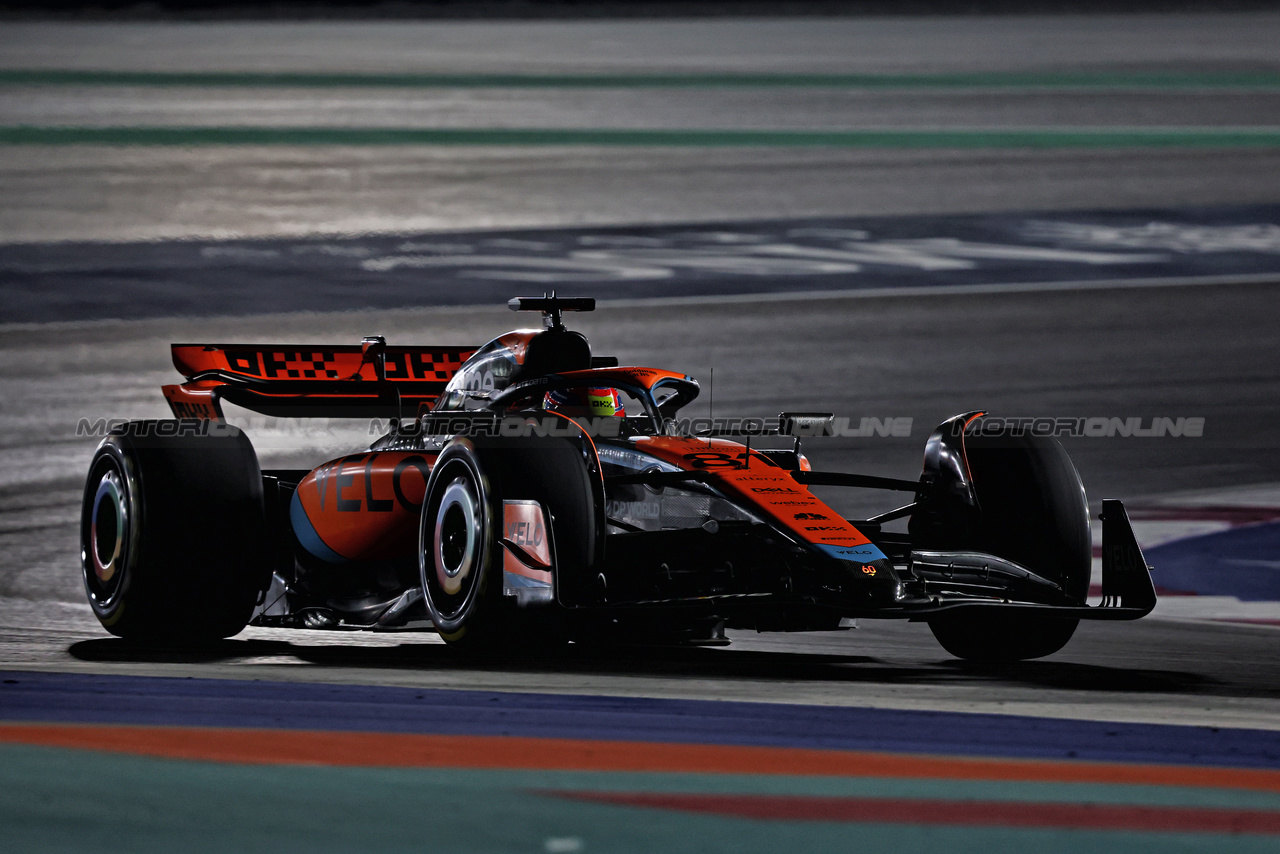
553 370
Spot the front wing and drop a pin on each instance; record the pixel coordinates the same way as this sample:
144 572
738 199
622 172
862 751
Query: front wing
750 568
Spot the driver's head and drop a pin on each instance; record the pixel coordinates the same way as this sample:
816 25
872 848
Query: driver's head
584 402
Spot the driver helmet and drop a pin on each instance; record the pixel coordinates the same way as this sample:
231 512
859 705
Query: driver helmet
584 402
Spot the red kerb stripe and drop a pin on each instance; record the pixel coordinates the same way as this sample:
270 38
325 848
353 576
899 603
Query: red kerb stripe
975 813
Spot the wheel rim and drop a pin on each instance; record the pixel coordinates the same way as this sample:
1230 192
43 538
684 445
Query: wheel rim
456 536
105 547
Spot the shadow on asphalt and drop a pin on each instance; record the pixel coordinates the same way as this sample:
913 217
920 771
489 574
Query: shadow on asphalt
670 662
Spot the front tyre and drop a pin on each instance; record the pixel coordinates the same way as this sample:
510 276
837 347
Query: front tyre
1033 512
458 548
172 531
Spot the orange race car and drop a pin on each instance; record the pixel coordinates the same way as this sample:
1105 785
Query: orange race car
529 486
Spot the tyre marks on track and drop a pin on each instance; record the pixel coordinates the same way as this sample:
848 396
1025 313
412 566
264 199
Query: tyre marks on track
86 281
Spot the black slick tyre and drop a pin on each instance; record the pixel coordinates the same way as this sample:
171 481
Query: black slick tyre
460 537
1033 512
458 554
172 531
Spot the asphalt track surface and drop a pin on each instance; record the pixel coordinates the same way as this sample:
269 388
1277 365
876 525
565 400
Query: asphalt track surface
1166 727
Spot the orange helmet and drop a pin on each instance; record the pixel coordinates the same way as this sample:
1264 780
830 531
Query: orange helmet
584 401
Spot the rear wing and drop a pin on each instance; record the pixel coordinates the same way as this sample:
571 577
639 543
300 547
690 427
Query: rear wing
370 379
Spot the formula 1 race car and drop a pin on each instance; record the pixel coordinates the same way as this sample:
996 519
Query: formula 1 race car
531 491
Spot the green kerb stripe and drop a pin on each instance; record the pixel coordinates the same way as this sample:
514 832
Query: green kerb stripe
982 80
1266 137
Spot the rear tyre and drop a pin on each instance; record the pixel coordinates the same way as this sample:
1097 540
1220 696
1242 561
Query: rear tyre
172 531
1033 512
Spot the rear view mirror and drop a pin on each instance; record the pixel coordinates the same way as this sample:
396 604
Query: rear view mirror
805 424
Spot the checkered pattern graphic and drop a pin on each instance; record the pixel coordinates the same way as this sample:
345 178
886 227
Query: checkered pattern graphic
308 365
436 364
